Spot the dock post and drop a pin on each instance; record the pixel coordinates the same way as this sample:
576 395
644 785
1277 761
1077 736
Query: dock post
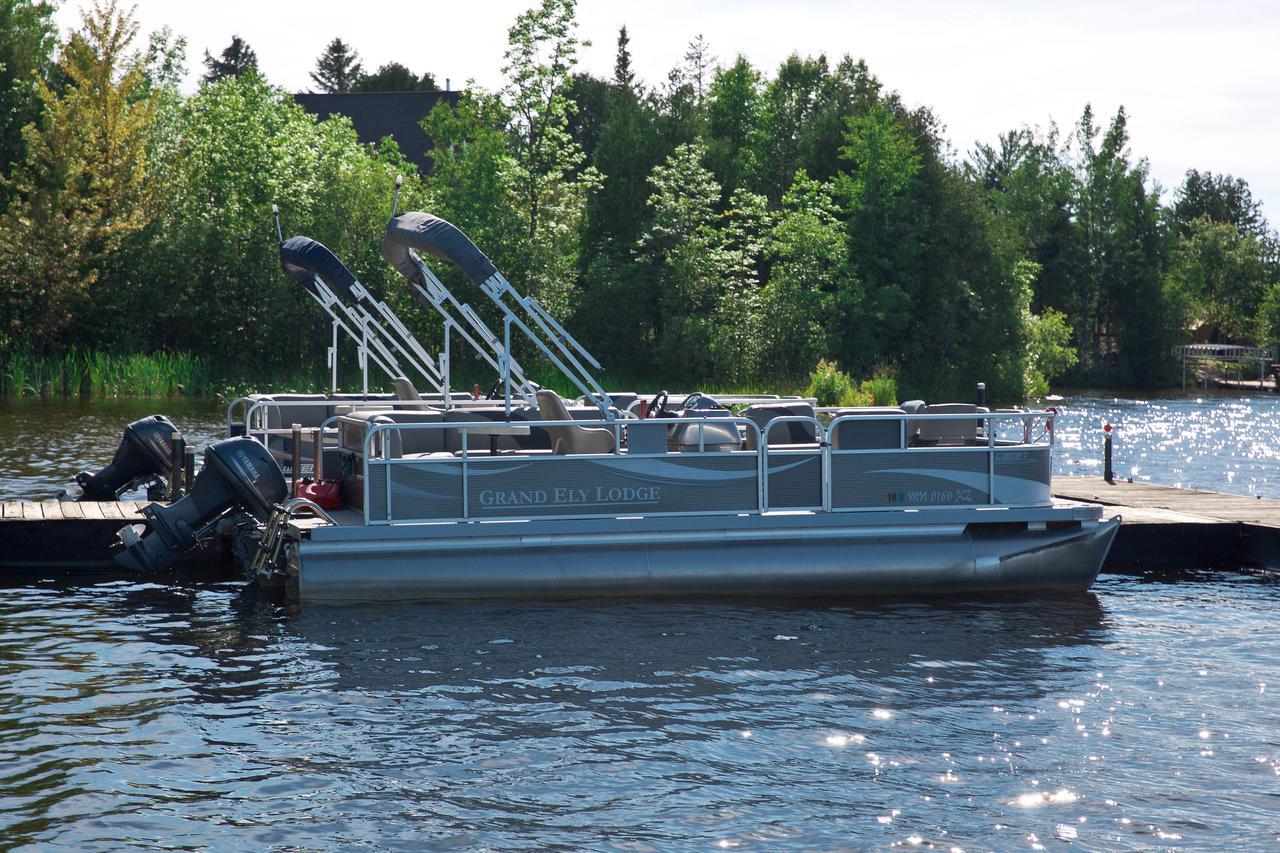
1107 473
175 465
297 458
317 454
188 466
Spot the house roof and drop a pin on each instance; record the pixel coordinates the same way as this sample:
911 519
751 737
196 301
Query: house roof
378 114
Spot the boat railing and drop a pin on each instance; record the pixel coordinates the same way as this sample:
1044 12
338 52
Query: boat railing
982 471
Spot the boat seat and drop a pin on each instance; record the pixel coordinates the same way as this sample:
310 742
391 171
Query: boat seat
950 432
571 439
475 441
406 393
789 432
407 442
880 433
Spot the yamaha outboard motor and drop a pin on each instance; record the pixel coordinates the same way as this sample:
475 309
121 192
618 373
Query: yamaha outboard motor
144 454
238 472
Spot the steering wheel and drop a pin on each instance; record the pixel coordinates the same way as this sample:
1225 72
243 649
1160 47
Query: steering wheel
655 406
495 392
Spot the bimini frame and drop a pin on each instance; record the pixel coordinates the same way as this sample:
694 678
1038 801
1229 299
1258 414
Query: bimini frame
411 233
324 277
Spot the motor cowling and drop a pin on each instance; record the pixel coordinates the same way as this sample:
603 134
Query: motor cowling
144 453
237 472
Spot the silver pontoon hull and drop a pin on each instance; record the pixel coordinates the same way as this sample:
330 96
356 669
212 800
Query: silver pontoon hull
788 556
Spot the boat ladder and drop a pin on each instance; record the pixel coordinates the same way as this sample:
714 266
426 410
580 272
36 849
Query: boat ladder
266 560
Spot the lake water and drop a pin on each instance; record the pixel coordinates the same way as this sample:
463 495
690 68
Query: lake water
1139 715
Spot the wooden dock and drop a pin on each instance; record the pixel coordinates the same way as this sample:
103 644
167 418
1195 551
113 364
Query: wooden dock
1166 528
66 534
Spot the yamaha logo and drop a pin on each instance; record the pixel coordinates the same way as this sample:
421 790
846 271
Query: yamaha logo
247 463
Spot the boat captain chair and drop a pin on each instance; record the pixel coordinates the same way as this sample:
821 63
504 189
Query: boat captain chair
568 440
406 393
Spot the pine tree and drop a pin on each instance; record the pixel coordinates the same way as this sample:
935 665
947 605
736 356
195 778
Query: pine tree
338 68
698 64
236 59
623 75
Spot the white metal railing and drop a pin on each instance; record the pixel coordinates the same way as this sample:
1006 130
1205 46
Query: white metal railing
376 453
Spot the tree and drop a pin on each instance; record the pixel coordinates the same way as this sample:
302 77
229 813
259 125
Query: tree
733 115
338 68
84 185
698 63
809 250
623 75
394 77
1220 198
27 40
549 170
237 58
1119 319
1217 277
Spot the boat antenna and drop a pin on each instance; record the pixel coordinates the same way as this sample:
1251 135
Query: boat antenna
395 202
275 211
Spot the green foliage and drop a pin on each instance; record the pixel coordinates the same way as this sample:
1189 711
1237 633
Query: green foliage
829 385
27 41
832 387
1049 353
338 69
236 59
726 229
85 186
102 374
394 77
1217 277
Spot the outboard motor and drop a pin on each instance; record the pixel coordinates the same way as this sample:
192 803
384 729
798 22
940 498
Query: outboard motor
237 472
144 454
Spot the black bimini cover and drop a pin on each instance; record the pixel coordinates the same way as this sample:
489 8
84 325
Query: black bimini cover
302 258
433 235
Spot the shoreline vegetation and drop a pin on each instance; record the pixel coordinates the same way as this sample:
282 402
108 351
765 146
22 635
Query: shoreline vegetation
166 375
726 228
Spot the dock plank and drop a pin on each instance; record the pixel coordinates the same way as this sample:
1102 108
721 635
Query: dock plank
1213 506
91 509
11 509
110 509
32 511
52 509
72 509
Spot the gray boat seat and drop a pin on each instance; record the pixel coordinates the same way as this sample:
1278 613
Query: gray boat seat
867 434
788 432
282 417
475 441
406 393
406 442
950 432
571 439
622 400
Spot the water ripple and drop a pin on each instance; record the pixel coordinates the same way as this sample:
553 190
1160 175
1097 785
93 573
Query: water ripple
184 717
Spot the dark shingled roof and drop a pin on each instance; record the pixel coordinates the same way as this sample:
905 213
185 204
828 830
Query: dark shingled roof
378 114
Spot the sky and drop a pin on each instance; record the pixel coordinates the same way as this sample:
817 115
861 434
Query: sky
1200 80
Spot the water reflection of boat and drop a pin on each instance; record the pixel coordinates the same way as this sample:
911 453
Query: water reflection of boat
512 653
612 494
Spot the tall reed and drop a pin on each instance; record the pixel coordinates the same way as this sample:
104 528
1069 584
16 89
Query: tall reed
102 374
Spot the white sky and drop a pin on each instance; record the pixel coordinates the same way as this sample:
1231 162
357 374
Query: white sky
1201 80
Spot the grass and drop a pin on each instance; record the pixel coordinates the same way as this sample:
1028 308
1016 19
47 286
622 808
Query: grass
161 374
100 374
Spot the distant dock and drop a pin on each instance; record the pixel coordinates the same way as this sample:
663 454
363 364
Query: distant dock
1164 529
